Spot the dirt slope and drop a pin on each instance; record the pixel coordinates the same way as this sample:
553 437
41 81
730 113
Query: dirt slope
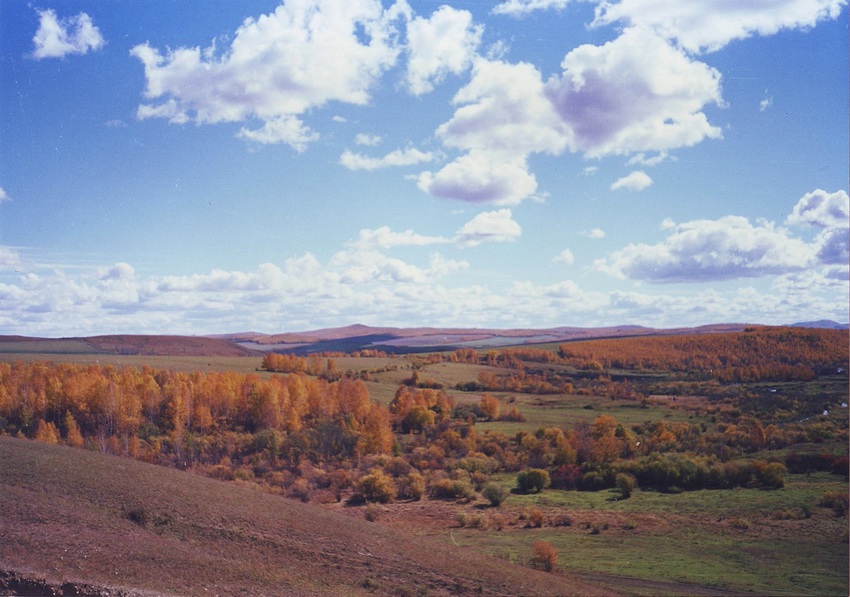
71 515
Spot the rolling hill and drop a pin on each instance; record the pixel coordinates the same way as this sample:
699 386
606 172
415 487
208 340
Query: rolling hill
70 515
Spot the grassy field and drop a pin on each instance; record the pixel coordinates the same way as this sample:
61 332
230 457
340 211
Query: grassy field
730 539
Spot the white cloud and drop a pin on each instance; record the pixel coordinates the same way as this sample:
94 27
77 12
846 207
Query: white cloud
519 8
504 112
823 209
57 38
282 129
503 117
642 159
634 181
360 283
594 233
399 157
565 256
4 196
477 178
489 226
590 170
9 258
443 44
710 25
634 94
278 66
712 250
765 104
385 238
368 140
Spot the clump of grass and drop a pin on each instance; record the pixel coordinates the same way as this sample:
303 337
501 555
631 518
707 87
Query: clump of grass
461 519
371 512
792 514
533 518
562 520
836 500
478 521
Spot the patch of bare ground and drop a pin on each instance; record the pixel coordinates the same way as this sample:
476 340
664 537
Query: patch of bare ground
72 516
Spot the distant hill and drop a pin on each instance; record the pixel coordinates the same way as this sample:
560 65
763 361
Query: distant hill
71 515
126 345
391 339
347 339
826 324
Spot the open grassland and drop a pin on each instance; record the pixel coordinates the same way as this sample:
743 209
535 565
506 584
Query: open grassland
78 515
737 540
177 363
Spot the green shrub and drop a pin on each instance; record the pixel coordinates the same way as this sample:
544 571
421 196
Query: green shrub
412 487
532 480
452 489
625 484
494 493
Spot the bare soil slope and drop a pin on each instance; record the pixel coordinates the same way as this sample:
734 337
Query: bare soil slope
72 515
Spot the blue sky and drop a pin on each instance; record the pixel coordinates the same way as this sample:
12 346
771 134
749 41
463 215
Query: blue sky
204 167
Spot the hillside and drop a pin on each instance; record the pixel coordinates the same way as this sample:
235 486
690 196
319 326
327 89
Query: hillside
153 345
400 340
75 515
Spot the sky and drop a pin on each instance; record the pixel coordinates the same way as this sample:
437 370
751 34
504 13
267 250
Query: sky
211 166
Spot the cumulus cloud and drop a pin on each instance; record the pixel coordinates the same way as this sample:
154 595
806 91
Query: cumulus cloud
765 104
593 233
440 45
385 238
477 178
823 209
362 283
399 157
504 112
503 117
369 140
565 256
710 25
4 196
637 93
278 66
634 181
519 8
57 38
711 250
489 226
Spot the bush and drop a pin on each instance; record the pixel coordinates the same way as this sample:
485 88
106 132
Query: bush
625 484
544 556
532 480
452 489
494 493
377 486
412 487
